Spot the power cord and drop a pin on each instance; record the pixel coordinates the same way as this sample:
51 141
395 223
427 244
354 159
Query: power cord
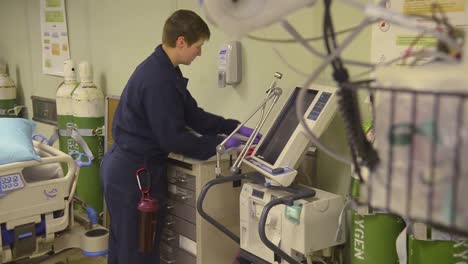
361 148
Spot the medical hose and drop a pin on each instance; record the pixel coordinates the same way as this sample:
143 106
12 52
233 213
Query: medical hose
92 215
348 101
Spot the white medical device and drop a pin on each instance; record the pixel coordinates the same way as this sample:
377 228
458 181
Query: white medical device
279 221
280 151
307 226
237 18
229 64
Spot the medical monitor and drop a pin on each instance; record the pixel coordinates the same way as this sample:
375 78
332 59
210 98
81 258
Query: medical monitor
282 129
279 152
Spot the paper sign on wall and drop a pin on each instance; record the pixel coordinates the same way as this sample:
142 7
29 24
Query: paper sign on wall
55 46
390 41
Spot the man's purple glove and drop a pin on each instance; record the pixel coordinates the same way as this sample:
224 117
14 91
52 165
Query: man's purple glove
233 142
247 131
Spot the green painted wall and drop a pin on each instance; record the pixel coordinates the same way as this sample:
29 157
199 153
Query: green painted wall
116 35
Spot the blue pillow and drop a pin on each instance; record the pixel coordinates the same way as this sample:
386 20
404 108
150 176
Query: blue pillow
15 140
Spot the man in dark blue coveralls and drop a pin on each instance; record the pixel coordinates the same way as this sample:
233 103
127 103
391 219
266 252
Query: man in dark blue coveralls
151 121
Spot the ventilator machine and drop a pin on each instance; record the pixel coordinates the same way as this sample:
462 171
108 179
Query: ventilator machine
279 219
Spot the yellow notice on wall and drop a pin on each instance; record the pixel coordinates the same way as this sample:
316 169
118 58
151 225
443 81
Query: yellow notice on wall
408 40
393 42
53 3
425 7
54 17
55 49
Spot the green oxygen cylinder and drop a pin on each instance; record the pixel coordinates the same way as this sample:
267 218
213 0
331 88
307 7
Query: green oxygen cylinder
64 107
7 93
88 117
430 246
373 235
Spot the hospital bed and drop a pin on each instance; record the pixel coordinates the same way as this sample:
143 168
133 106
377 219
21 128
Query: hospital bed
36 208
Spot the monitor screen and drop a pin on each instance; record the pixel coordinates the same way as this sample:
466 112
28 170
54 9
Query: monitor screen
283 128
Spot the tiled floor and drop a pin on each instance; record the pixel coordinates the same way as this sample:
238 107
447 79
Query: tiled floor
72 256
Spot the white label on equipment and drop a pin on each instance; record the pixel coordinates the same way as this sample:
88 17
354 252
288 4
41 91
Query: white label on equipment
188 245
11 182
172 189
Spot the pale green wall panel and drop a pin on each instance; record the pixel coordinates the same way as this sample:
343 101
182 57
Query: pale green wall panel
122 34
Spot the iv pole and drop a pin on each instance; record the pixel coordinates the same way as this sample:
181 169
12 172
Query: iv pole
273 94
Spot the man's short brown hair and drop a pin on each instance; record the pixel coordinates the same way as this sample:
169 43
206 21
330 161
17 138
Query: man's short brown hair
187 24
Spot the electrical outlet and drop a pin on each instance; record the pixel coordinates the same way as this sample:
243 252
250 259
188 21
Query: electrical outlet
44 110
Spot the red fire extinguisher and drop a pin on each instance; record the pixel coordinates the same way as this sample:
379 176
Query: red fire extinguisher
148 209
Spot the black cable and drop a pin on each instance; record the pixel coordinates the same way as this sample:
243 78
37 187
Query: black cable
329 33
325 26
360 147
329 25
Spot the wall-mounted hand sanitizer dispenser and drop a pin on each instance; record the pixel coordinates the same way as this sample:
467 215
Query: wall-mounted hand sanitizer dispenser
229 64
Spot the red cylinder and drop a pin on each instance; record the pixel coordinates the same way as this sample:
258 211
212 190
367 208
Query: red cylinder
148 209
